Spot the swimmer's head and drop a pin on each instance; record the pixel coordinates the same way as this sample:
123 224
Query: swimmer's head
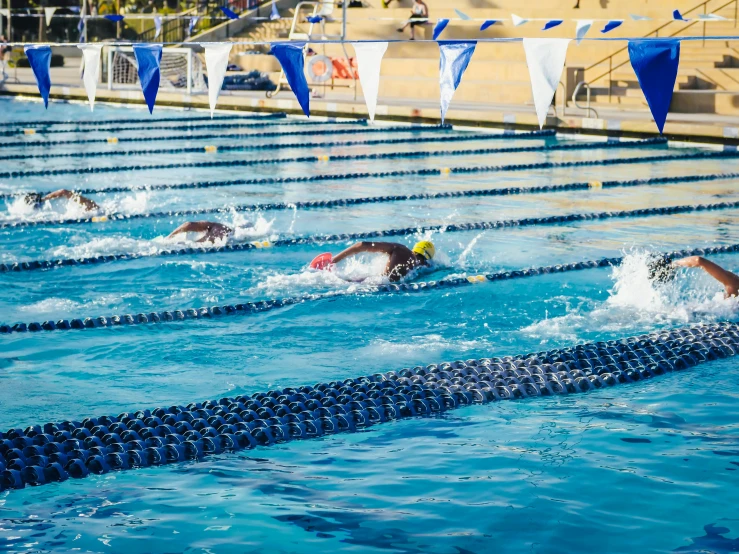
661 269
33 199
425 249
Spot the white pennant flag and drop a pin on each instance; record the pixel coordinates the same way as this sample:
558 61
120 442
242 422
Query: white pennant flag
216 60
712 17
583 26
635 17
157 26
546 60
369 60
49 13
518 21
4 12
91 55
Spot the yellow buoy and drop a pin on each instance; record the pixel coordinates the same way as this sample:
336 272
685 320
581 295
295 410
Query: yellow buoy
262 244
100 219
323 158
445 171
595 185
112 140
29 131
211 148
476 279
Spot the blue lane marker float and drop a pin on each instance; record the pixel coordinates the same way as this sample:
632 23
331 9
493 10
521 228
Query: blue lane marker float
209 313
344 202
322 239
54 452
341 158
282 146
413 173
232 136
187 125
146 121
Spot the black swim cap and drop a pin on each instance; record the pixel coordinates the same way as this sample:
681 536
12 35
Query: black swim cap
661 269
33 199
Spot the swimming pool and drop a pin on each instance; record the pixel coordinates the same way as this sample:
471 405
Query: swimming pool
641 467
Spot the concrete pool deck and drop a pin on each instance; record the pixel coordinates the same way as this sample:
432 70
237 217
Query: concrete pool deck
695 127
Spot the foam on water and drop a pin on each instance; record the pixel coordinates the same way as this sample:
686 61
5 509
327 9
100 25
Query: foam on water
635 302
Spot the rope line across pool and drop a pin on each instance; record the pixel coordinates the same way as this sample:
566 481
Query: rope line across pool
341 158
281 146
207 313
54 452
321 239
343 202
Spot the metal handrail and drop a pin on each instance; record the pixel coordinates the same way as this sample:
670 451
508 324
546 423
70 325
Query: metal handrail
655 32
587 106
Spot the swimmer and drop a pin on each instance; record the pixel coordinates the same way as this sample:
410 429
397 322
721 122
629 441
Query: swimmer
729 280
401 259
211 230
36 200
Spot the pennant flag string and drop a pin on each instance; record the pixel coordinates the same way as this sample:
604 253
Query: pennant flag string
148 58
39 58
369 63
454 57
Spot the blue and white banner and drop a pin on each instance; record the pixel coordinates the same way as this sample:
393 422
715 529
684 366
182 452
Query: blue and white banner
148 58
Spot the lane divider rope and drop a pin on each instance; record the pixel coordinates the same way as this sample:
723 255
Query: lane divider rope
232 136
50 122
344 202
341 157
55 452
185 125
280 146
323 239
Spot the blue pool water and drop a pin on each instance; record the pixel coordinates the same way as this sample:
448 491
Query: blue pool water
646 467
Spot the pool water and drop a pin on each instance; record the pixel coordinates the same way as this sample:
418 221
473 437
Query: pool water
645 467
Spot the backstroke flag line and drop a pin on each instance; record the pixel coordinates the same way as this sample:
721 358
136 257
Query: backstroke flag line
454 57
546 60
148 57
290 56
369 62
655 63
91 53
39 58
216 60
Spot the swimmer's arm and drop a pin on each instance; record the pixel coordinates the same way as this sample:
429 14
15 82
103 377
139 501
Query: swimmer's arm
362 247
210 228
729 280
69 195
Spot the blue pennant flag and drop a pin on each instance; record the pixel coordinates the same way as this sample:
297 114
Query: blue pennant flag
81 29
314 18
611 25
228 13
440 26
275 13
148 57
677 16
655 63
290 56
193 22
114 18
488 23
39 58
453 61
552 23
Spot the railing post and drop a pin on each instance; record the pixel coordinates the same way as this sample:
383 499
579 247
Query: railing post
610 78
189 71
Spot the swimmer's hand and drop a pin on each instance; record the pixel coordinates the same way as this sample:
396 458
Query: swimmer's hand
691 261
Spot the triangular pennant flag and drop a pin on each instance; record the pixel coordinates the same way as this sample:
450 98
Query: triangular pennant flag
193 22
712 17
39 58
461 15
157 26
546 60
454 57
439 28
114 18
488 23
369 62
611 25
216 60
148 58
4 12
583 26
91 54
314 19
228 13
49 13
290 56
81 28
275 13
677 16
639 17
655 63
552 23
517 21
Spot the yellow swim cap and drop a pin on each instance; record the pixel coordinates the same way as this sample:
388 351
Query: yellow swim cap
425 248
